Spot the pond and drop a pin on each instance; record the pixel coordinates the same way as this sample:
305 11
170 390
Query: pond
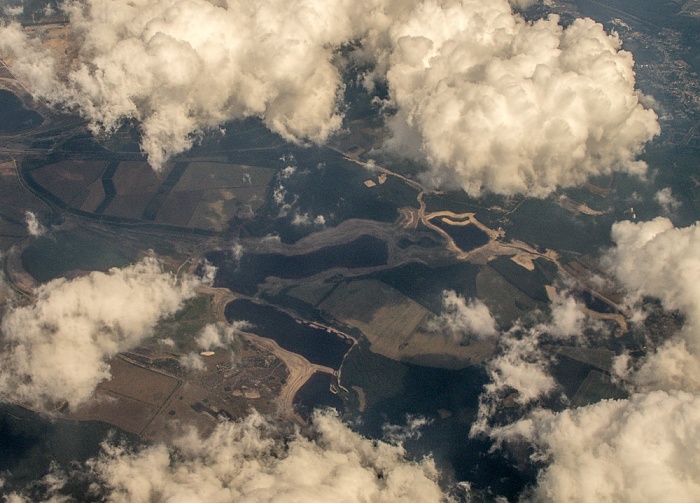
466 237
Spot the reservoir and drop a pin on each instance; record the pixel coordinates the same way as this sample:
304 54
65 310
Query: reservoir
316 393
315 344
246 274
466 237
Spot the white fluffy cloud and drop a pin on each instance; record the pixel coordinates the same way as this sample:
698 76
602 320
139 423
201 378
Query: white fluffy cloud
34 226
520 372
183 66
252 461
498 104
219 335
522 367
32 63
657 259
492 102
463 319
644 449
192 361
55 349
13 10
568 316
666 200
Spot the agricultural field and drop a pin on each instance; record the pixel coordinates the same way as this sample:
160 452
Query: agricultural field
209 194
131 398
394 326
135 184
153 391
215 175
506 302
312 293
70 181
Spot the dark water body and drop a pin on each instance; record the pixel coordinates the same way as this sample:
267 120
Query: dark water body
314 344
466 237
13 116
30 443
315 393
244 276
52 256
395 389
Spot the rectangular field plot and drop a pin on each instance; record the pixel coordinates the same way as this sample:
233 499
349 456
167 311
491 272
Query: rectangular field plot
178 208
139 383
209 194
128 205
393 324
123 412
94 195
130 399
212 175
134 177
69 180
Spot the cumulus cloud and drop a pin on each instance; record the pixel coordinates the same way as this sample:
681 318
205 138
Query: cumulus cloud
657 259
398 434
666 200
34 226
463 319
494 103
32 63
644 449
13 10
522 4
303 219
237 251
192 361
288 172
568 316
283 200
521 367
186 66
519 373
254 461
220 335
55 349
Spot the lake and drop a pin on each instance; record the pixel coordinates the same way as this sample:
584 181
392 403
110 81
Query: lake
316 393
315 344
245 275
466 237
